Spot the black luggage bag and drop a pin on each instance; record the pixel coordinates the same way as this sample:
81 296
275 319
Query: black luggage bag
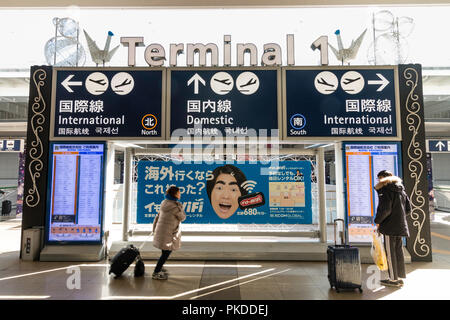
123 259
344 264
6 207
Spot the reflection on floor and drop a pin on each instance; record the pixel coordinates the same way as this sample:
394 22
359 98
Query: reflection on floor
209 280
230 280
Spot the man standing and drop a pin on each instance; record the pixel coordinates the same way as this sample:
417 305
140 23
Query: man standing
393 207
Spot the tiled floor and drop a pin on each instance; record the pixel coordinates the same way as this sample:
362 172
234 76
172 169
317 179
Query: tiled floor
203 280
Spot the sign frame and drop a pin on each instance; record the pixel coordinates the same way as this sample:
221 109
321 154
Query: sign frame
107 138
102 193
242 68
285 138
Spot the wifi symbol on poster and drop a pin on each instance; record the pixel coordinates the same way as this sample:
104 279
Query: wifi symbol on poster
249 185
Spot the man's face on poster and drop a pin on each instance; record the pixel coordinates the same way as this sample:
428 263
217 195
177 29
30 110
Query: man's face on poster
224 195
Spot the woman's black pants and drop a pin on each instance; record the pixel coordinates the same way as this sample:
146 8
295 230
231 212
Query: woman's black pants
164 256
395 258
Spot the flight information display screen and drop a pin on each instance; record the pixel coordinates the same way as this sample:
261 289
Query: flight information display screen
363 161
75 197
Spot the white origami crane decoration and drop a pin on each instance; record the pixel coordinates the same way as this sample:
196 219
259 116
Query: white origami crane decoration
344 55
97 55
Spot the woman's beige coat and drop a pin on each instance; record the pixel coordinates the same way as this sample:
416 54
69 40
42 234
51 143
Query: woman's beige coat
166 226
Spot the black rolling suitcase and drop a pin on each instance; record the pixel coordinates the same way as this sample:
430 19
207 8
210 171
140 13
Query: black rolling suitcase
6 207
123 259
344 264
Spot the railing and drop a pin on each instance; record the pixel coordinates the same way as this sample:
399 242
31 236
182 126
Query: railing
9 193
442 196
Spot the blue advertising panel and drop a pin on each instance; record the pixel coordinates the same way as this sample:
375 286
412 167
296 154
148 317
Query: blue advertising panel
108 103
346 103
225 193
75 193
363 161
212 102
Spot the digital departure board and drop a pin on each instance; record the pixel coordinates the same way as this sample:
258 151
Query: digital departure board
362 162
75 197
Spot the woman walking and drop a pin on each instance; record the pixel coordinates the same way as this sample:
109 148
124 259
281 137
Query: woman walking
166 229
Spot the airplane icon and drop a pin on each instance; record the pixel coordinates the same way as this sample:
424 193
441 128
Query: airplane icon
124 83
348 81
100 82
224 81
352 82
322 81
249 83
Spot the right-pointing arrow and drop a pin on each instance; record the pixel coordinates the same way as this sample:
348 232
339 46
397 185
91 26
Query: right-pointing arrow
383 82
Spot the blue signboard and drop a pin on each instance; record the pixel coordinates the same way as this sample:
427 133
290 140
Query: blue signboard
11 145
438 145
340 103
225 193
221 102
108 103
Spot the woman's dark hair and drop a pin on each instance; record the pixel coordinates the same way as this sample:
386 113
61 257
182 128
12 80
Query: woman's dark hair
226 169
172 191
384 173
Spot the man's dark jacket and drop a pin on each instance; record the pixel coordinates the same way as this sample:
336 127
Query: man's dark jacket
393 207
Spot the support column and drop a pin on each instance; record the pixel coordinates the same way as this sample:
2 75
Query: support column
37 149
109 187
414 160
322 194
339 170
127 183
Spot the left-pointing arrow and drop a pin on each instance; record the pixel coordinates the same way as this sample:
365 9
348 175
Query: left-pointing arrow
67 83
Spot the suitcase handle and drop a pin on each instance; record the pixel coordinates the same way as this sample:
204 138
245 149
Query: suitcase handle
343 231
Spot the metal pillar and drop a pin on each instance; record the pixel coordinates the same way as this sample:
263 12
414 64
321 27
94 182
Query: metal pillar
322 194
108 189
127 177
339 169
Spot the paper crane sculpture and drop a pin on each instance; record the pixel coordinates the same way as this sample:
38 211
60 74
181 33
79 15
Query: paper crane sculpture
344 55
97 55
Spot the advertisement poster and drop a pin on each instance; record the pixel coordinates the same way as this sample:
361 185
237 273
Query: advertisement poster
76 189
228 193
363 161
